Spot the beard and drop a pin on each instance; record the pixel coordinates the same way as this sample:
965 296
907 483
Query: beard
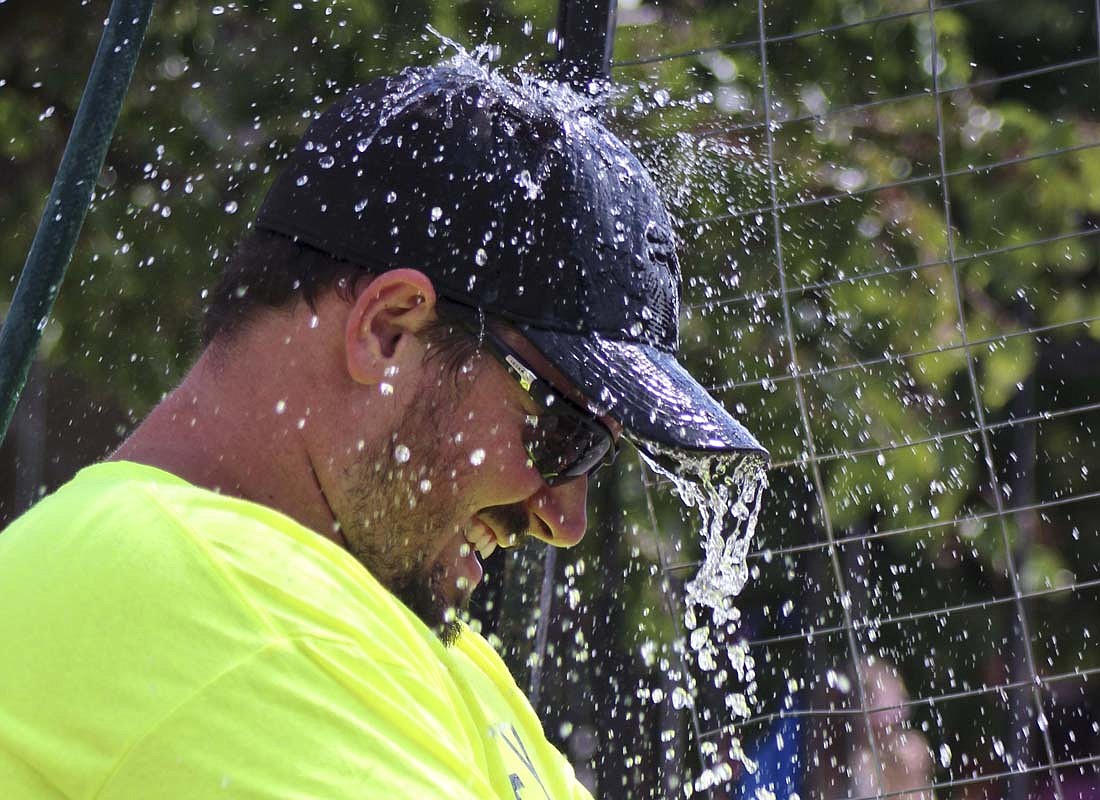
421 589
420 592
400 509
393 544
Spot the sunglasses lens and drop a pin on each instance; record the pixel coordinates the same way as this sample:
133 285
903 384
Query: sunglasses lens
563 446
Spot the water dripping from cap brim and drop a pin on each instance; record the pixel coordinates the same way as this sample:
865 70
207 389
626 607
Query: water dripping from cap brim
726 490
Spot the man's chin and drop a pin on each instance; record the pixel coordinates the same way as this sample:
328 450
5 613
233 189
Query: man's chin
448 632
423 598
444 622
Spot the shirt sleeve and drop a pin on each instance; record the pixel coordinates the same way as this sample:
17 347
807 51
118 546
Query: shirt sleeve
309 718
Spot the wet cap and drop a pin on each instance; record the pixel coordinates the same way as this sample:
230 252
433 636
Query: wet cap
512 199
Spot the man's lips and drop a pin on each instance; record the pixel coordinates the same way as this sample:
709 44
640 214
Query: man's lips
482 538
468 568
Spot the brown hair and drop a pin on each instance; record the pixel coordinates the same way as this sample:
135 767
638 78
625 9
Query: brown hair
270 271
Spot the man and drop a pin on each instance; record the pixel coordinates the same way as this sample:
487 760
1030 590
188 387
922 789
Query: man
458 295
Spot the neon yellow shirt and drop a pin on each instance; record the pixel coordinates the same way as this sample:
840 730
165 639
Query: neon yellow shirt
163 641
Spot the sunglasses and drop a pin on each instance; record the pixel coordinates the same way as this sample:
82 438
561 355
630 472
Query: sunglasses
563 441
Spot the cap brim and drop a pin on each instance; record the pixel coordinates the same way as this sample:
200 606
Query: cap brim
646 390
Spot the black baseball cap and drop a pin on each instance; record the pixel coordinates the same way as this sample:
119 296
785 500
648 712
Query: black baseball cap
514 199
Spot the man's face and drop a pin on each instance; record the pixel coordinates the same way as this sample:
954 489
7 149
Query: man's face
453 479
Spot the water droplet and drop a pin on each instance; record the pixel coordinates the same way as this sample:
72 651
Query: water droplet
217 11
401 454
481 257
477 457
700 637
945 756
360 205
706 659
737 704
326 161
838 681
531 189
425 486
280 407
231 207
385 388
391 197
302 180
437 213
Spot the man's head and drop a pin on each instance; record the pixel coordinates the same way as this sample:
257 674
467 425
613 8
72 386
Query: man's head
496 278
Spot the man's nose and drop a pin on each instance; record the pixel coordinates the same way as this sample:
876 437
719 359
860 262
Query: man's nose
563 511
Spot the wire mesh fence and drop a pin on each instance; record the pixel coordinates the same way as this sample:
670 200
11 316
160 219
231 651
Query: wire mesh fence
905 644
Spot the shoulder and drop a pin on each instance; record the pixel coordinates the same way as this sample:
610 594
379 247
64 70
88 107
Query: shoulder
130 533
106 526
472 652
111 567
119 617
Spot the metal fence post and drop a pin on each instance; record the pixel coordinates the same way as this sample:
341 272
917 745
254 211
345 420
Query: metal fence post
70 197
585 37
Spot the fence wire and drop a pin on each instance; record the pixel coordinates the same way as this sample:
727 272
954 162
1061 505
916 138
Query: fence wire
750 297
794 36
1025 678
868 105
935 177
930 701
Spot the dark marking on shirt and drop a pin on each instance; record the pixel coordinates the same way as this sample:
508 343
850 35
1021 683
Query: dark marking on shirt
515 744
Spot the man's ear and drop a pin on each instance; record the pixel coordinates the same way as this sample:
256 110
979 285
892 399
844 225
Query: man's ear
383 321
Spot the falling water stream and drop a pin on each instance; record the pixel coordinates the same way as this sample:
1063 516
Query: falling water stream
726 491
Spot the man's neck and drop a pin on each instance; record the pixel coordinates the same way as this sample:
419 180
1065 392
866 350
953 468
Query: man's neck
218 431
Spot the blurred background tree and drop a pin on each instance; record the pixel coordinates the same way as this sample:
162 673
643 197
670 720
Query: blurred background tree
883 509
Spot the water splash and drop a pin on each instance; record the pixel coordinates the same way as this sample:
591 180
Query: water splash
521 83
727 492
516 86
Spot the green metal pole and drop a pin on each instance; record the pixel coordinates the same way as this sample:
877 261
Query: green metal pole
70 197
585 39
